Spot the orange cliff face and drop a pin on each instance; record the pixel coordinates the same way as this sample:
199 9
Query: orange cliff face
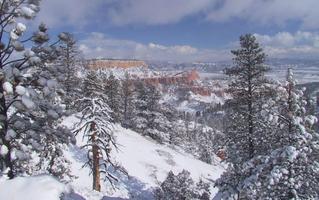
109 63
192 76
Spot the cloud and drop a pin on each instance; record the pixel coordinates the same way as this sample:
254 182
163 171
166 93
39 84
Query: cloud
98 45
281 45
269 12
153 12
284 44
77 13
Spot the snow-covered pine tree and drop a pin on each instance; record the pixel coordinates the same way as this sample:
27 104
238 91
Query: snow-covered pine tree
291 169
203 190
112 91
205 147
97 130
156 121
181 186
150 119
248 87
140 120
187 120
127 101
69 60
25 113
51 156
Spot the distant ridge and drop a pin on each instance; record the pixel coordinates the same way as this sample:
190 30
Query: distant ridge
107 63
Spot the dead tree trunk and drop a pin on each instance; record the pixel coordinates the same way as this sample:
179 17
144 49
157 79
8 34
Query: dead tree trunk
96 160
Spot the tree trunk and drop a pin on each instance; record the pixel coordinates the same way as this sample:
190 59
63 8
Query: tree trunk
250 116
291 194
96 160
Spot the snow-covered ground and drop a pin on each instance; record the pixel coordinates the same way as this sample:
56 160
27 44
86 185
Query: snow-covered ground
32 188
146 162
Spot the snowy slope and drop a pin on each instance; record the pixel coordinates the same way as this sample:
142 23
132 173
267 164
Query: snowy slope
146 162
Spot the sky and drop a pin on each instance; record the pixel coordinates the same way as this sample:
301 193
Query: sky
185 30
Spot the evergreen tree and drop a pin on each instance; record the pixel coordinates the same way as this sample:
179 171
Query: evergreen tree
112 91
51 156
26 115
97 130
203 189
150 120
290 171
69 61
247 87
182 186
127 101
245 128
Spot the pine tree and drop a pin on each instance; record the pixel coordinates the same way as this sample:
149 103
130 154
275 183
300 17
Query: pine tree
247 87
127 101
182 186
112 91
97 130
51 156
69 61
24 112
203 189
151 118
245 128
290 171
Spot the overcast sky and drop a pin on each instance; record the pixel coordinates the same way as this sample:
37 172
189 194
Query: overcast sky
185 30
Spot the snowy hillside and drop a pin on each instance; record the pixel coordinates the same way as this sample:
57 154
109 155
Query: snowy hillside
147 164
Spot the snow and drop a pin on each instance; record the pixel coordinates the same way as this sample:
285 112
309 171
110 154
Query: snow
3 150
11 134
28 53
291 153
155 161
146 162
311 120
53 114
27 12
51 84
63 37
213 99
27 102
32 188
20 90
8 87
18 46
13 35
21 27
